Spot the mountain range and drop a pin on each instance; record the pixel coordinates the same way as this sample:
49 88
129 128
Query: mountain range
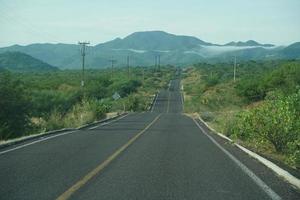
21 62
143 47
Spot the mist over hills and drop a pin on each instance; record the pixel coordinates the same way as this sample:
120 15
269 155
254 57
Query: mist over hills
142 47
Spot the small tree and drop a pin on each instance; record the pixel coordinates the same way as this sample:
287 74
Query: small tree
14 107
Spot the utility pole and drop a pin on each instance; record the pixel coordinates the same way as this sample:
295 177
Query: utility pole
112 66
128 68
82 50
143 74
158 62
155 62
234 69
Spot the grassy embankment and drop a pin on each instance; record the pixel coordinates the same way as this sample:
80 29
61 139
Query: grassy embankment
261 109
37 102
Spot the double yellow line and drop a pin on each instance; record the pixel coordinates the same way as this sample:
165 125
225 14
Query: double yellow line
67 194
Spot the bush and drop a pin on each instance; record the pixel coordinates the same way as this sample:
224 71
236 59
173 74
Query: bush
85 112
100 108
129 87
45 101
275 121
81 113
294 152
53 122
54 100
284 79
14 107
212 80
243 126
207 116
250 89
133 103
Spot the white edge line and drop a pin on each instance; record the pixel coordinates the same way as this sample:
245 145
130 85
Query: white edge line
213 130
279 171
156 96
181 95
105 123
168 104
102 124
168 107
41 139
243 167
37 141
182 107
33 136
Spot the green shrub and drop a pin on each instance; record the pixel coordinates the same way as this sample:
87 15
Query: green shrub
85 112
250 89
54 121
207 116
55 100
294 152
275 121
129 87
14 107
100 108
285 79
133 103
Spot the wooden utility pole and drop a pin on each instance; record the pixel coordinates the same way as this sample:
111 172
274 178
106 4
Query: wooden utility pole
82 50
158 62
234 69
128 67
143 74
112 66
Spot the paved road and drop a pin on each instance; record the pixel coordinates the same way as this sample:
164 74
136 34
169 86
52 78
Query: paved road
161 154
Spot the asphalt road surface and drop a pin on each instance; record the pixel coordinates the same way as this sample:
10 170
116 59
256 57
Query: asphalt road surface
162 154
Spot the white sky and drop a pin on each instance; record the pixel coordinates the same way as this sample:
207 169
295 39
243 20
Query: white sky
97 21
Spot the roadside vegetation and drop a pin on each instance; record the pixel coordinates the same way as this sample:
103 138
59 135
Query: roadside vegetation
38 102
261 109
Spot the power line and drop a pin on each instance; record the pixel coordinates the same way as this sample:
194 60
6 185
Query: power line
29 27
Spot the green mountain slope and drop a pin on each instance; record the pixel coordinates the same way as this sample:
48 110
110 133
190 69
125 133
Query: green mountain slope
20 62
143 47
292 51
248 43
154 40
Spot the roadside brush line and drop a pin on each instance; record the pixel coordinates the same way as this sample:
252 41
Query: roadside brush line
53 132
279 171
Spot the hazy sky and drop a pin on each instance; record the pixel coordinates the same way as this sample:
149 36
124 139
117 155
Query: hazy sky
97 21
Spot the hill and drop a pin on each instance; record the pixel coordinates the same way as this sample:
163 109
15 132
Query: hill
143 47
249 43
154 40
54 54
292 51
20 62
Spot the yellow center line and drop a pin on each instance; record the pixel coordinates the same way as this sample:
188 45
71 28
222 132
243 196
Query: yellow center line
67 194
